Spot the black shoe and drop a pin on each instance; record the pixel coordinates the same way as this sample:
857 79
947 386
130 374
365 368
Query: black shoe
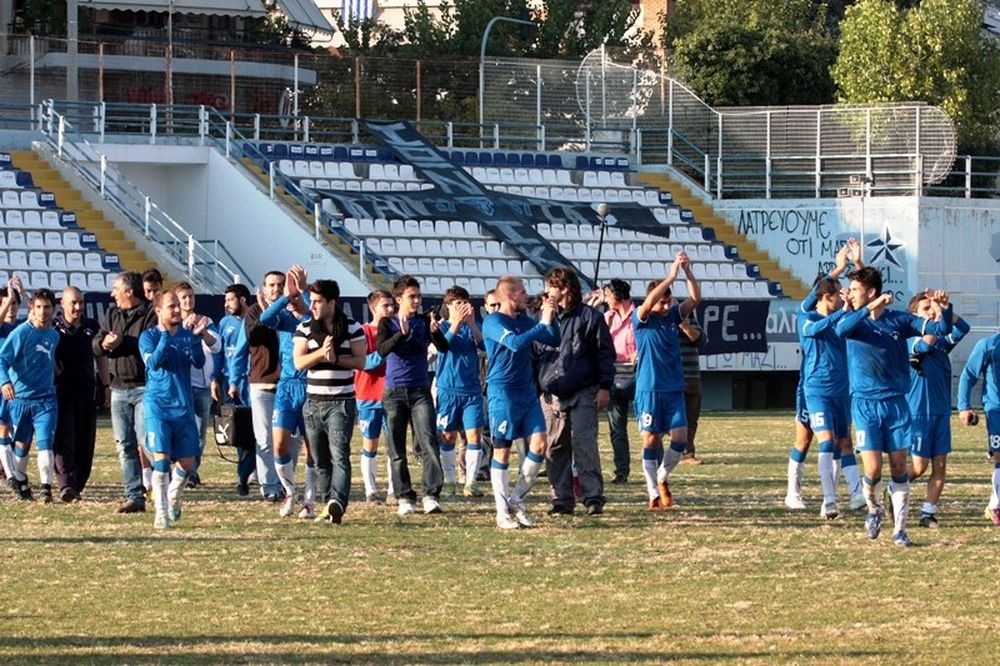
193 480
595 509
46 493
13 485
560 510
131 506
23 491
929 520
620 479
242 489
336 512
69 494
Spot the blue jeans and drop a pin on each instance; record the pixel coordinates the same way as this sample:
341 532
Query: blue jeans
129 428
329 425
262 407
403 406
202 400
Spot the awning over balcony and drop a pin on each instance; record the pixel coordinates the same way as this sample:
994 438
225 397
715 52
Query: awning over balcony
304 14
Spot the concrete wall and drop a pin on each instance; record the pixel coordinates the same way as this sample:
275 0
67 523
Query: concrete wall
213 199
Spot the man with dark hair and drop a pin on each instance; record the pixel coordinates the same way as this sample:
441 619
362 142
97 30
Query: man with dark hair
575 378
118 341
659 386
256 357
27 371
879 370
330 347
617 294
10 303
76 386
692 338
459 391
152 284
403 341
226 385
984 361
929 399
369 384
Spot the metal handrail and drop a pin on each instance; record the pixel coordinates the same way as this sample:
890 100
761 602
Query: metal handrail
194 258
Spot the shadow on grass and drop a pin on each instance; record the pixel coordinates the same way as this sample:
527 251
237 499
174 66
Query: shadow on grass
380 648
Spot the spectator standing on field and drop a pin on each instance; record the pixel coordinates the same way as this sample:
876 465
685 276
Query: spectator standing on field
692 338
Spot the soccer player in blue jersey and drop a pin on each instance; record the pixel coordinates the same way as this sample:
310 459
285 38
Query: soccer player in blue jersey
169 351
512 397
284 315
10 303
842 450
879 371
929 398
825 387
659 379
459 393
984 361
27 382
369 383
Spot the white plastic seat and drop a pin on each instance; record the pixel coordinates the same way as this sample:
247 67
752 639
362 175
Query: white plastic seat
403 246
418 246
317 169
13 218
10 199
410 265
432 285
376 172
57 281
307 183
331 170
589 179
563 177
32 219
50 219
109 280
57 261
74 262
37 260
440 266
17 259
95 281
373 245
472 230
347 170
425 265
426 227
391 172
39 280
8 180
284 166
388 246
456 229
442 229
406 172
15 239
411 227
300 168
71 240
433 246
477 286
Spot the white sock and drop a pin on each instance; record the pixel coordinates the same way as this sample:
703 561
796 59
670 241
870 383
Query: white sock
929 509
796 471
671 456
995 495
530 466
649 472
448 462
7 458
873 494
827 479
388 475
177 484
45 467
21 463
900 504
500 480
285 467
368 467
309 494
852 478
161 491
147 478
471 462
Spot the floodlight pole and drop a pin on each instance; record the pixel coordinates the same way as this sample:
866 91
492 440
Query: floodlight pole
602 213
482 60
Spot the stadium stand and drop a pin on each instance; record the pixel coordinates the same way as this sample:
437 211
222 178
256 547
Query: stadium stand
44 242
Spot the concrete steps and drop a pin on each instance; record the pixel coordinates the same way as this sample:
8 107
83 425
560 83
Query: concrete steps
109 237
724 231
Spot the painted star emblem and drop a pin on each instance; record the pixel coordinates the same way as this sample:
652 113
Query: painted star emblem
885 247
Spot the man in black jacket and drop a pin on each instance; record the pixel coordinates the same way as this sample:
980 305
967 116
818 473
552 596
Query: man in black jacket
575 380
118 341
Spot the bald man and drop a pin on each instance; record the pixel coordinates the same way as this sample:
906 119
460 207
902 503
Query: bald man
76 385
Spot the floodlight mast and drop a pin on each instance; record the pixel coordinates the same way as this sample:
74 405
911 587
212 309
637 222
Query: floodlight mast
482 60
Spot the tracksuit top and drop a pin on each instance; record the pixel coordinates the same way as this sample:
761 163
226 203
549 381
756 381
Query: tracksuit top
930 389
983 361
458 368
168 361
28 361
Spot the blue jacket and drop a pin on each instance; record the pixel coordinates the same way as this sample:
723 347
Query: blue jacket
28 361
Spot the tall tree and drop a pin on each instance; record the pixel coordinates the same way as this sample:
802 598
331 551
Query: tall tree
935 52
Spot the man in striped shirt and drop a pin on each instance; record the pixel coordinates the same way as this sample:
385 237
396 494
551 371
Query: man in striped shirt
330 347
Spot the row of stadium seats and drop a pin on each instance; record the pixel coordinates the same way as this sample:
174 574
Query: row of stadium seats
56 281
26 199
310 151
507 176
49 240
586 195
346 170
32 219
363 185
56 261
15 180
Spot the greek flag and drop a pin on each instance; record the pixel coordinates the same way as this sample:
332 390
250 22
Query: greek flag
357 10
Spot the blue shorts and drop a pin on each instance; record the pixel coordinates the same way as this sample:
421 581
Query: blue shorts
514 417
457 411
930 435
993 432
175 438
881 425
33 419
660 411
371 417
830 413
801 411
288 402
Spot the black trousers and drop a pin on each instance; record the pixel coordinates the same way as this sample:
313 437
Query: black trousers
76 430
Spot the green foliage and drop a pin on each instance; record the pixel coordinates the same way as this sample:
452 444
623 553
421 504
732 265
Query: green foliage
274 29
756 52
565 30
48 17
934 53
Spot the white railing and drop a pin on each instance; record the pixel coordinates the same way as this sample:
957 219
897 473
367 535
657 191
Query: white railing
202 263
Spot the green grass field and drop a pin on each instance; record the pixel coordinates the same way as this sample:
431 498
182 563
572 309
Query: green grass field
727 575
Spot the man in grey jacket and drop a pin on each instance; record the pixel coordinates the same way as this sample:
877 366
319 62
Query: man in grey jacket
575 380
